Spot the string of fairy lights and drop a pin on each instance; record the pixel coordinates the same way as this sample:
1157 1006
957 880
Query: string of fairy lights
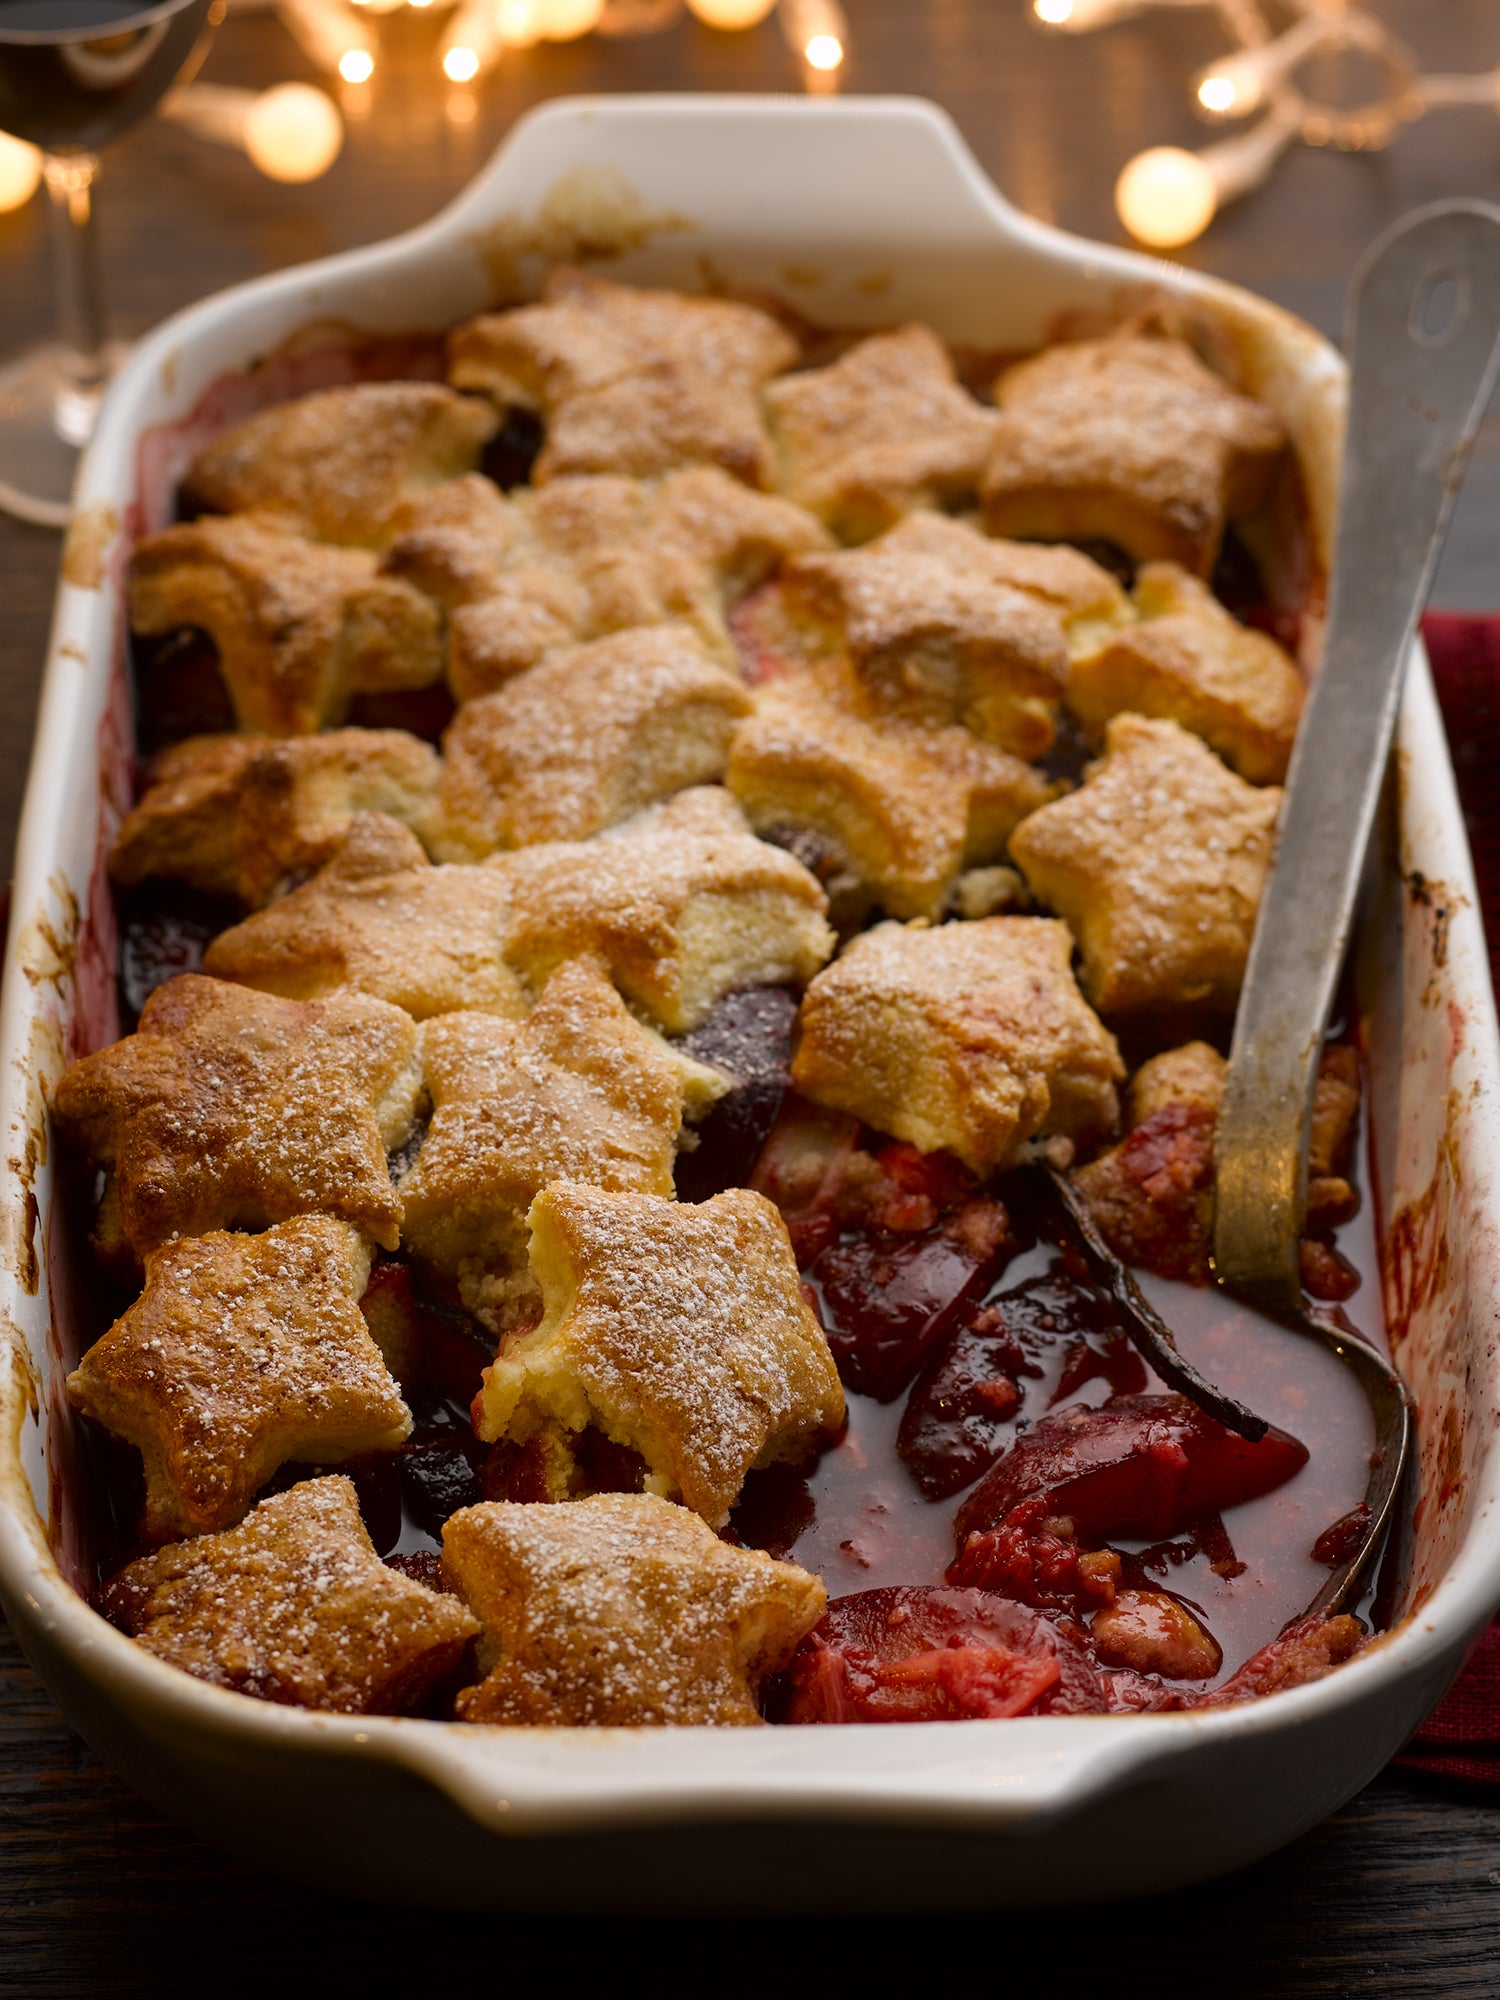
1166 196
294 131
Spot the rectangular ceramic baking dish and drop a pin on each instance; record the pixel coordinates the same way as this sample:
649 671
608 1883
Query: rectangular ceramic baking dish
863 213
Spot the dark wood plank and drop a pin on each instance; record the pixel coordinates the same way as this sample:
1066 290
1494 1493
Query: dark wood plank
1399 1894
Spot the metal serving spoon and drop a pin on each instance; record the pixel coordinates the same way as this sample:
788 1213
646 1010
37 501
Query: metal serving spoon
1423 338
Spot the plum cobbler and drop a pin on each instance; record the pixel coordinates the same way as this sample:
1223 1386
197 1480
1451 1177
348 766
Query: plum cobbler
651 843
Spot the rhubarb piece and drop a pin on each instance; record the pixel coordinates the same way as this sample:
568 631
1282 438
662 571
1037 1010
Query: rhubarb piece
929 1654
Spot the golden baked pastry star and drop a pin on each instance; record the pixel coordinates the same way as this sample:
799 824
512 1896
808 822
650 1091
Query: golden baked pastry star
1157 863
677 1329
381 919
904 808
235 815
234 1109
579 1091
338 464
971 1037
300 627
585 739
682 903
627 380
1132 440
1190 661
884 429
621 1611
586 556
294 1606
946 625
242 1352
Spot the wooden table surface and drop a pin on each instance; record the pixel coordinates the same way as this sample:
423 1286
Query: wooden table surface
1397 1895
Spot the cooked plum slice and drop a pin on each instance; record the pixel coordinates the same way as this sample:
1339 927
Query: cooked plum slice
888 1298
957 1420
749 1036
930 1654
1140 1465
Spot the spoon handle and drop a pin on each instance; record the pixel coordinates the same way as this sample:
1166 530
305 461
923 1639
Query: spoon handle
1423 339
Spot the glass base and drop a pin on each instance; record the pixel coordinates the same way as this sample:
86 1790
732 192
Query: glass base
46 419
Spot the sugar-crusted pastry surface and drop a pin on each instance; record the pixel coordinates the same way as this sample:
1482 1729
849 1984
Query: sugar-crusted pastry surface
230 1108
381 919
300 627
905 807
1157 863
295 1606
682 903
583 740
1127 439
971 1037
339 463
884 429
234 815
627 380
587 556
941 628
1190 661
621 1611
242 1352
679 1330
577 1091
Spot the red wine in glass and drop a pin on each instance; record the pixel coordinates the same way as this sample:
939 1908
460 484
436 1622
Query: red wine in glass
74 74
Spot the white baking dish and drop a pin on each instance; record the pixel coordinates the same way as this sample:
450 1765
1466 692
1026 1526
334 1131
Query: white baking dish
863 212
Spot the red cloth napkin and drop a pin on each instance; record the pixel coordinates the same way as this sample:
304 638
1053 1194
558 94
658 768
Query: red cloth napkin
1461 1738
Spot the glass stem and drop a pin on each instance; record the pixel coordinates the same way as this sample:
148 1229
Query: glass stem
70 181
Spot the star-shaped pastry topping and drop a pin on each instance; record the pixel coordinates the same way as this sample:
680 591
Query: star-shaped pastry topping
621 1611
235 815
577 1091
677 1329
1157 862
299 626
586 556
382 920
337 465
294 1606
584 740
1190 661
1131 440
682 903
885 429
970 1038
945 625
904 807
629 381
242 1352
229 1108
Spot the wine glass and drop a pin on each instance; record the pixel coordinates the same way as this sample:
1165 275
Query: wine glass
73 75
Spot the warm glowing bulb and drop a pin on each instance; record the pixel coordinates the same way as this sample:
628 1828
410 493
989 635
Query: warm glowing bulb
731 13
461 65
517 22
356 66
20 172
293 133
566 20
1217 92
1166 196
824 51
1053 12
